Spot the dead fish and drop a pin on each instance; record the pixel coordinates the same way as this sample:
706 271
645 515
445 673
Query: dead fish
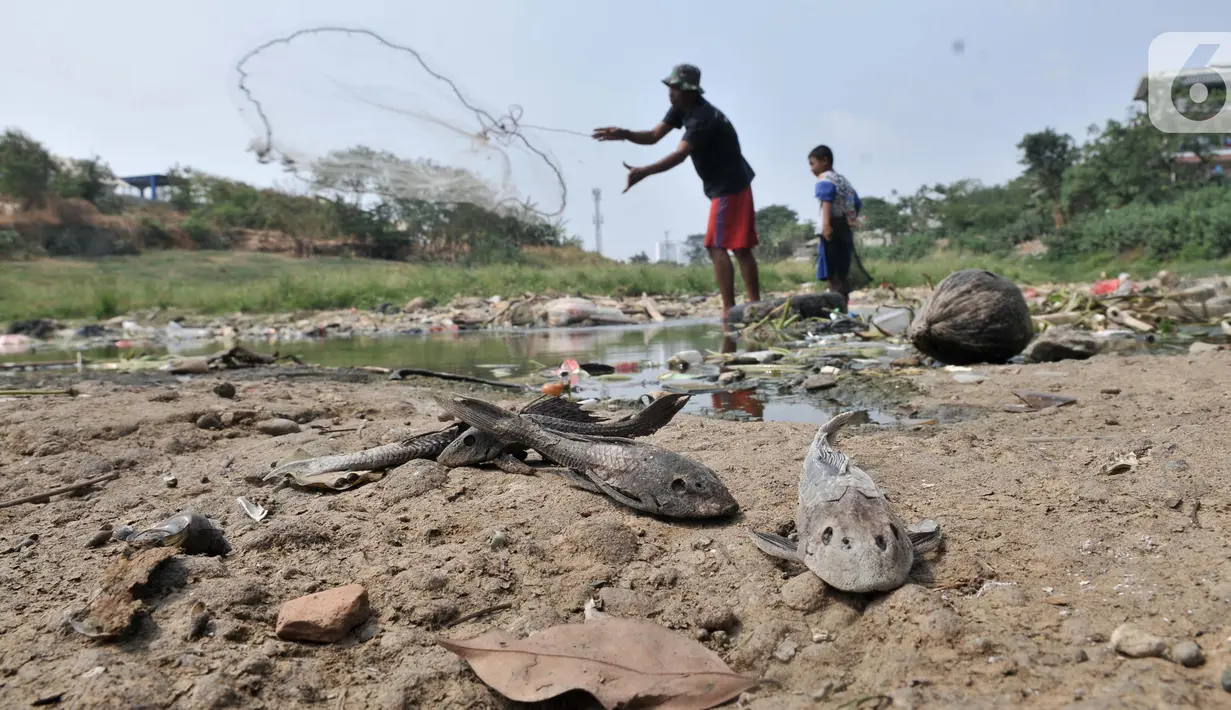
639 475
849 534
310 471
475 446
188 530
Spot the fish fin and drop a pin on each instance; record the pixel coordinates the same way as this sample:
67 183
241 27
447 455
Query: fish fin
619 496
573 478
559 408
775 545
660 412
481 415
924 536
511 464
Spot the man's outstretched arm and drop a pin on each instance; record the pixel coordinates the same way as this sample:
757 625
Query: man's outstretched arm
649 137
636 175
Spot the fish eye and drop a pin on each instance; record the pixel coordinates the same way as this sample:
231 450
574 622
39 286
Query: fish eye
826 536
678 485
880 542
469 440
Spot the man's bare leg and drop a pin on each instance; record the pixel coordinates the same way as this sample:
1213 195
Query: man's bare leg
748 269
725 274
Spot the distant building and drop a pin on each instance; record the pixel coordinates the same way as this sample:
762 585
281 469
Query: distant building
667 252
1217 148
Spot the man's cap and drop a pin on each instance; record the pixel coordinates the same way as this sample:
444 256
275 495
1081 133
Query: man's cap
685 77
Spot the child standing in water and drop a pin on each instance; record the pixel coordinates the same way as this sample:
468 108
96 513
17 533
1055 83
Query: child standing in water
836 261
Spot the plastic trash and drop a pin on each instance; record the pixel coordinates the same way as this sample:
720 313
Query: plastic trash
179 332
609 314
894 321
567 311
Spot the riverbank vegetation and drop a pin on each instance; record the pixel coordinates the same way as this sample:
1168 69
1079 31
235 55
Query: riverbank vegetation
1128 198
228 282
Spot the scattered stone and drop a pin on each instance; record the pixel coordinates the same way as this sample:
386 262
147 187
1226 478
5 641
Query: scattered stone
170 481
1080 656
1110 390
238 416
804 592
1131 641
1062 342
417 303
1187 654
226 390
721 638
498 541
1199 348
786 650
324 617
277 427
816 383
210 421
1176 466
909 361
1226 679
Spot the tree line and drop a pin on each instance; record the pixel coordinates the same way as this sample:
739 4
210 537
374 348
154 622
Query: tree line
1122 190
381 206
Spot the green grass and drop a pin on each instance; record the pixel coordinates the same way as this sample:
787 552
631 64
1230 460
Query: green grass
224 282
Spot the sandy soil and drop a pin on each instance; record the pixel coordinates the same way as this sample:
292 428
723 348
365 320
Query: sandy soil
1045 556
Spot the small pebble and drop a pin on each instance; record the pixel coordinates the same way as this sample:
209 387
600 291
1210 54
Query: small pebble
277 427
1080 656
226 390
1187 654
1111 421
1226 679
786 650
170 481
1131 641
1110 390
498 541
209 421
701 634
1176 466
720 637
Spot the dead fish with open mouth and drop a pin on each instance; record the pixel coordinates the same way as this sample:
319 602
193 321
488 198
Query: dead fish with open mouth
476 446
640 475
188 530
849 534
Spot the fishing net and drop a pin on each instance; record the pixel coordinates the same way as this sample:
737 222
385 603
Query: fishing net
349 112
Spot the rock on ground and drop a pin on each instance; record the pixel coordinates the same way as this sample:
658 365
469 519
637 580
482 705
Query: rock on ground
324 617
1062 342
1131 641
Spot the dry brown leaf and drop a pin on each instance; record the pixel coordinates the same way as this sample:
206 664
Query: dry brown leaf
621 662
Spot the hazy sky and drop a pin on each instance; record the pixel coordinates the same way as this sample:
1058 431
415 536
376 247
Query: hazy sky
148 85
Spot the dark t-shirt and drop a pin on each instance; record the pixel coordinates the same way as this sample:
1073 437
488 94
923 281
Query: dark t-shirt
715 149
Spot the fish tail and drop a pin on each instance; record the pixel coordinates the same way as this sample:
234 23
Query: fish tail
661 411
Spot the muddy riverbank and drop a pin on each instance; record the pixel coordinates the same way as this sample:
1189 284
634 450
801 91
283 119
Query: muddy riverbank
1045 554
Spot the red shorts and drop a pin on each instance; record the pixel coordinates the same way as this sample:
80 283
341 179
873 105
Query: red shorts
733 222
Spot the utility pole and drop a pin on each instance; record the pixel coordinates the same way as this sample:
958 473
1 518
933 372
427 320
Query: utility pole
598 221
